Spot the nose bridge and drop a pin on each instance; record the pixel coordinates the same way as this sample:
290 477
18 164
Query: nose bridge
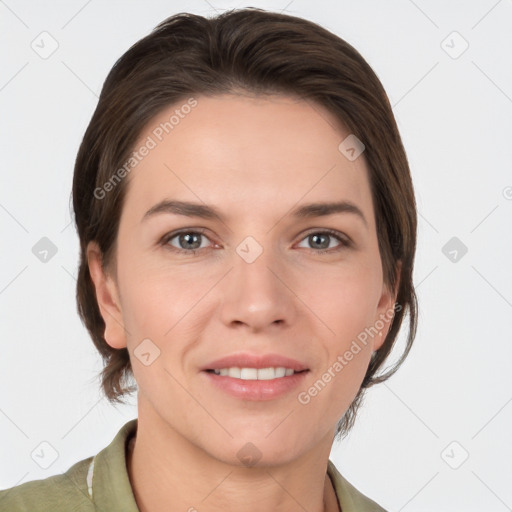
255 272
256 294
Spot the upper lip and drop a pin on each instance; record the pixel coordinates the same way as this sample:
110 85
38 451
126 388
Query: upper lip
245 360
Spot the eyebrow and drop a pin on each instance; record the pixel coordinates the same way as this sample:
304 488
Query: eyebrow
307 211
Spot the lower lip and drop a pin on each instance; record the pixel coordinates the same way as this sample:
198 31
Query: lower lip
258 390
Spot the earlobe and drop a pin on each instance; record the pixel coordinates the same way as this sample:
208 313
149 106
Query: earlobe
107 297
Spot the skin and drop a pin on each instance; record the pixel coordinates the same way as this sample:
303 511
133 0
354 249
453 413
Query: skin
255 159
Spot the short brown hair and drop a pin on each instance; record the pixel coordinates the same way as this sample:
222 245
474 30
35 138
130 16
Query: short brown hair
259 52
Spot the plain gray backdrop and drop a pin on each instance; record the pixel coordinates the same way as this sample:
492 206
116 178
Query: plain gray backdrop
434 437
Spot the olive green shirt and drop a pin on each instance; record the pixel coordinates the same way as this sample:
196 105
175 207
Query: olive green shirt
101 484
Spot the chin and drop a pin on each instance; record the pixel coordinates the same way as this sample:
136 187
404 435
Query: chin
257 450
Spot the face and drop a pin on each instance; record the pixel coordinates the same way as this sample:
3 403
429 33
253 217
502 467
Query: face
267 280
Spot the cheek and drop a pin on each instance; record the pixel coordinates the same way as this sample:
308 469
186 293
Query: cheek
345 298
331 390
346 303
163 304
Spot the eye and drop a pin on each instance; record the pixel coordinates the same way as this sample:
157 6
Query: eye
321 241
188 241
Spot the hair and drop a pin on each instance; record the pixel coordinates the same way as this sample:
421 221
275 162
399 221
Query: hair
262 53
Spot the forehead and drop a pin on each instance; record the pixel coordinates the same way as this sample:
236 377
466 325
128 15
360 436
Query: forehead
237 151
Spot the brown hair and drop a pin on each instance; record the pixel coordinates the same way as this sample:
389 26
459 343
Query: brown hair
258 52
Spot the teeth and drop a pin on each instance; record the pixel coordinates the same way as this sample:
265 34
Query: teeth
234 372
280 372
255 373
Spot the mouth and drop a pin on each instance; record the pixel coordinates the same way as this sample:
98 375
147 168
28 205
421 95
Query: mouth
256 377
255 384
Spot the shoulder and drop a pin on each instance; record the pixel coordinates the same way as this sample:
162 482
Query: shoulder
96 483
350 498
58 493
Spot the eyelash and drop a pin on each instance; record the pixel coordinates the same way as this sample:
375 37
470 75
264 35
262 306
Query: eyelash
344 241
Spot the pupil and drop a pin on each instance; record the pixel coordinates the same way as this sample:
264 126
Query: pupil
188 237
317 237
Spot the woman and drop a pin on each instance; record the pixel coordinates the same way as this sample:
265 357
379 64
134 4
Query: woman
247 225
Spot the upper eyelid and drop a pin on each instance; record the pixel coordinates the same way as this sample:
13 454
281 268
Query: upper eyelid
344 240
173 234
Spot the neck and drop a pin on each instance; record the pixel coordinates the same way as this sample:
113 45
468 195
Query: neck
168 473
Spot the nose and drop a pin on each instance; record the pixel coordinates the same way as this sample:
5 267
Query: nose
256 294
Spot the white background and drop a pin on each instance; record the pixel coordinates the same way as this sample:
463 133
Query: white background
455 117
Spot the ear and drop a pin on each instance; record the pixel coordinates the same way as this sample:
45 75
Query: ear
386 309
107 296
